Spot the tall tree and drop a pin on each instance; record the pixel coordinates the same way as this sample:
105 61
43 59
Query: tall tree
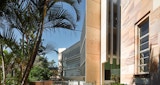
31 17
3 67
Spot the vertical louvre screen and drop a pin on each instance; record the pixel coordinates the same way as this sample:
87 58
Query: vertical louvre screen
113 30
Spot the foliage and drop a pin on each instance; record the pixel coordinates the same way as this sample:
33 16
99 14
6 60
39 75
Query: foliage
38 73
40 70
116 78
29 18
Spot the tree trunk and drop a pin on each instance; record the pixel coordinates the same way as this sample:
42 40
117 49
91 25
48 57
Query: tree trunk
35 49
3 67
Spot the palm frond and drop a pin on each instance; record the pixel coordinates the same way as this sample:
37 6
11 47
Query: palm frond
3 4
47 49
51 3
61 17
8 38
59 23
2 24
75 4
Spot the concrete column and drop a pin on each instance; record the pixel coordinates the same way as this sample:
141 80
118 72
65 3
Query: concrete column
104 36
102 73
103 31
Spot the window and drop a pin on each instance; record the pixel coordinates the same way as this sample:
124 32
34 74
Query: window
107 74
143 49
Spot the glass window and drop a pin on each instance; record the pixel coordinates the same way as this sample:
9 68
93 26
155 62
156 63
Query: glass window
144 46
144 54
144 28
145 39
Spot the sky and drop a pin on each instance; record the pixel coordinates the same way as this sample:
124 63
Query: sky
63 38
58 37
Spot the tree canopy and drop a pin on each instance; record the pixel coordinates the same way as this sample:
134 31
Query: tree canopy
40 69
30 18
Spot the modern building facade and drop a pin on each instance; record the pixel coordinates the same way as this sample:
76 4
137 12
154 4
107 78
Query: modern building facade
98 63
120 42
110 41
140 42
71 62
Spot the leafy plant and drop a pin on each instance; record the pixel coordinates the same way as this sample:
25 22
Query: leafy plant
40 70
30 18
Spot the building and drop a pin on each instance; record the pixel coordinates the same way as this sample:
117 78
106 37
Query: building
110 41
140 42
98 63
60 50
121 40
71 62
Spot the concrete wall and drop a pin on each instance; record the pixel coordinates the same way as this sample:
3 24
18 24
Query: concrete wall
93 42
131 12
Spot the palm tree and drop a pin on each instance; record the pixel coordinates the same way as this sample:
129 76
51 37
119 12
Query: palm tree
31 17
3 67
7 39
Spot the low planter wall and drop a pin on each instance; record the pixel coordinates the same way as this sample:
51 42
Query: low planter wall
50 82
